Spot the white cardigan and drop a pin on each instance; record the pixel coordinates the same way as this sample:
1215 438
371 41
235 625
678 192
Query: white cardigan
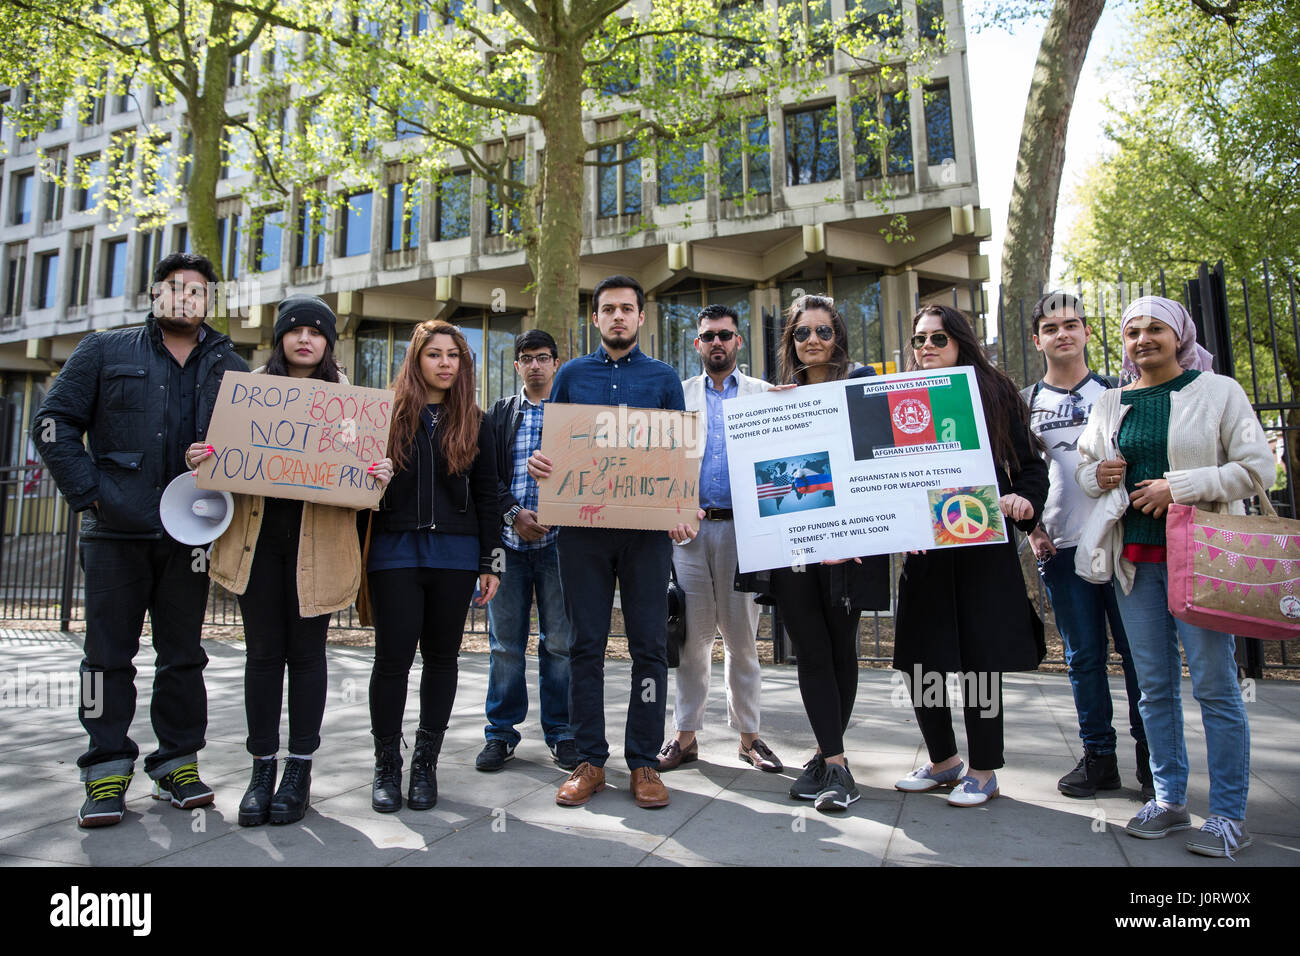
1216 444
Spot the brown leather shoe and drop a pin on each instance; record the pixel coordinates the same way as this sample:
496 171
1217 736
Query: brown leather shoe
760 755
582 784
648 790
673 756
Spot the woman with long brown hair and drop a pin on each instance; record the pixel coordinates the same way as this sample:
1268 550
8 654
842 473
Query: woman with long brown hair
965 610
436 535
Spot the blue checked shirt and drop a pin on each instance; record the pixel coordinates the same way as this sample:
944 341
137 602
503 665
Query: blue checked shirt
522 485
715 481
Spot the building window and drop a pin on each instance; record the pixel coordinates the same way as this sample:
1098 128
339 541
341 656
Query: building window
236 150
79 274
165 163
938 124
680 168
270 235
812 148
503 203
121 170
454 206
745 158
677 313
743 19
311 233
929 19
238 72
355 240
882 125
181 238
89 171
22 186
15 276
228 236
123 100
47 278
403 216
408 122
114 268
53 173
150 251
810 20
619 185
874 19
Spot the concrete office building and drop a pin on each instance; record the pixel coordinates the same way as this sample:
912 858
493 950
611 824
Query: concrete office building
65 271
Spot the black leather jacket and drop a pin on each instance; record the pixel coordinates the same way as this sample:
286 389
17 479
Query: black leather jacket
505 417
423 496
114 390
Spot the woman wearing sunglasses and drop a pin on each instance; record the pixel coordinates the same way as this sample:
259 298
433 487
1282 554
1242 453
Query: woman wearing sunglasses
965 610
1176 432
292 564
436 535
820 605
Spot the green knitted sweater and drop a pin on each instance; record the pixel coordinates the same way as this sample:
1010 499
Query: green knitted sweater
1144 443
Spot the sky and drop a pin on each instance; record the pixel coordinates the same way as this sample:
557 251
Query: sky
1000 65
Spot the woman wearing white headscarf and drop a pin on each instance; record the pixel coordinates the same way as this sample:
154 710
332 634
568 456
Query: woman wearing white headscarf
1177 432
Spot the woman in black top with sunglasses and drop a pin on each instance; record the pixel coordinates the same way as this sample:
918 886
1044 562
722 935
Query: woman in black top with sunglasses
965 610
820 605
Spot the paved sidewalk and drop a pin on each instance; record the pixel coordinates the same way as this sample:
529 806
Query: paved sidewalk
722 812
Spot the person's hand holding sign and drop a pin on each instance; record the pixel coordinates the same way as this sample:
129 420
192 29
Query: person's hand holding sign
539 466
685 532
1015 507
198 453
381 471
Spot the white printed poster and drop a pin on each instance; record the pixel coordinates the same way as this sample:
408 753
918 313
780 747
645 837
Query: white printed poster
861 466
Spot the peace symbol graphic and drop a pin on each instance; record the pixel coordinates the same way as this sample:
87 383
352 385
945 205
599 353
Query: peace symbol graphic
970 520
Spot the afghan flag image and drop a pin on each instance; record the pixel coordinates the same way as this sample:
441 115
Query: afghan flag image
904 418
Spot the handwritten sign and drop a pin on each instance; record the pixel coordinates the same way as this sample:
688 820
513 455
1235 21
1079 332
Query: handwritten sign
297 438
620 467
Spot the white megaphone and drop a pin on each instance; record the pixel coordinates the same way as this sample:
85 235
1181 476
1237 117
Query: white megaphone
192 516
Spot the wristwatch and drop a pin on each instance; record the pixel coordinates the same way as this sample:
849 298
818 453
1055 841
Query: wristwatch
509 516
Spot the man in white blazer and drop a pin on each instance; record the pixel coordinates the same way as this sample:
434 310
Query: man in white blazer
706 565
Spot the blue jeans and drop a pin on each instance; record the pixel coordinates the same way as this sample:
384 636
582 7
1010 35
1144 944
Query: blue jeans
508 620
1082 610
1153 635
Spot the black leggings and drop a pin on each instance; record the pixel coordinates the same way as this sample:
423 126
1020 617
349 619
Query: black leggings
982 710
424 607
275 635
825 637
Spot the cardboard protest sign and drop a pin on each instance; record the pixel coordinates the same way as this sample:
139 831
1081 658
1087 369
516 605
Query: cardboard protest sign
874 465
620 467
297 438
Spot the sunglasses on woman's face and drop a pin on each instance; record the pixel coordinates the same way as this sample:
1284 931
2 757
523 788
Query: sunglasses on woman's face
824 332
725 335
940 340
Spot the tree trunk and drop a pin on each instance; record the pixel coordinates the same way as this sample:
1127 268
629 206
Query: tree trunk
207 119
559 240
1031 217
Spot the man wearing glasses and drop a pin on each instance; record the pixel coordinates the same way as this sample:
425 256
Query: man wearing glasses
706 566
532 564
1060 405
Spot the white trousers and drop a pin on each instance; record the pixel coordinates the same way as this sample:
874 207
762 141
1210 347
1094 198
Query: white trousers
706 570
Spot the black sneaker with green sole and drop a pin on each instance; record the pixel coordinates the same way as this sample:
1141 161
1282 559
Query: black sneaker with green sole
105 801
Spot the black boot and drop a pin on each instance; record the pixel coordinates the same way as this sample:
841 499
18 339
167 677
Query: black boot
255 808
386 789
1094 772
423 794
293 798
1145 780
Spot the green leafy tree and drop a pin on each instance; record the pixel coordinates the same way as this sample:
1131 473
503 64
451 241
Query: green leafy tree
62 51
443 85
1203 165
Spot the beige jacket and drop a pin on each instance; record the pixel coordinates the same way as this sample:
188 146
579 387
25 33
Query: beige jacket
1216 443
329 554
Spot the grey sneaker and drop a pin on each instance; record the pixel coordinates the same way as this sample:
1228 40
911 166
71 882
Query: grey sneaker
1219 837
1154 821
838 791
811 782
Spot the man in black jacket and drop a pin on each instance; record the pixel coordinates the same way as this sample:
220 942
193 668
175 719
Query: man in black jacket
532 565
143 398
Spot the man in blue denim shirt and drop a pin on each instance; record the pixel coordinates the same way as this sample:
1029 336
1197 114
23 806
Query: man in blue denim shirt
617 373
